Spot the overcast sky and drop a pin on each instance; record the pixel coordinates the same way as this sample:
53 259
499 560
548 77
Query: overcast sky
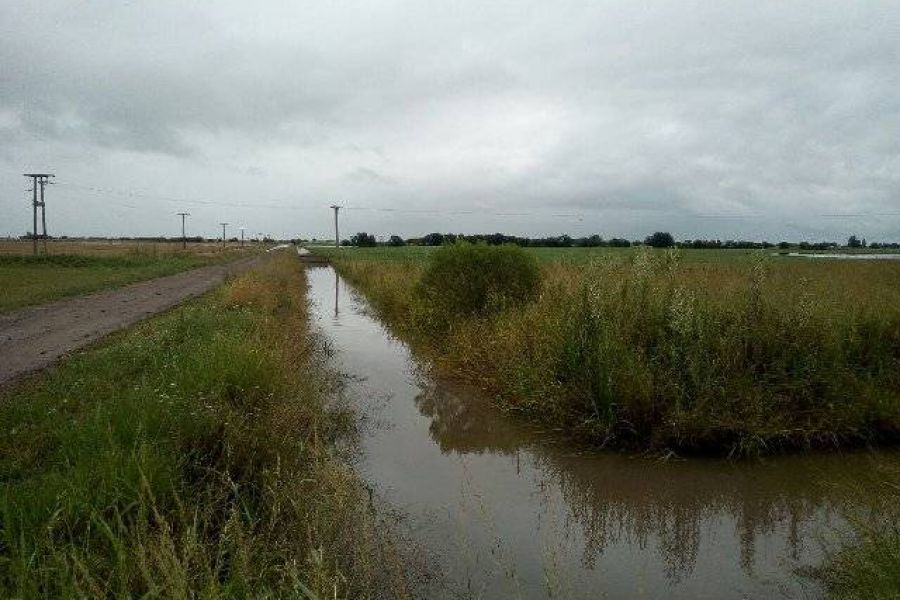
714 118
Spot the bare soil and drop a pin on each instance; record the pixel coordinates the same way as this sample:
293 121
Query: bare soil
37 336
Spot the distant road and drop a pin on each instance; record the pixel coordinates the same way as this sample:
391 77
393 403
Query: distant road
35 337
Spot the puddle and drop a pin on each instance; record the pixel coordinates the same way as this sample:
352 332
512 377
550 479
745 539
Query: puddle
509 512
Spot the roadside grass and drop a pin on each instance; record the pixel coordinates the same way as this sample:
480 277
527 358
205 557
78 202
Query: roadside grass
196 455
27 280
657 351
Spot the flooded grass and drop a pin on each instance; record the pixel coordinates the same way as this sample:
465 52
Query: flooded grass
193 456
868 566
511 510
654 351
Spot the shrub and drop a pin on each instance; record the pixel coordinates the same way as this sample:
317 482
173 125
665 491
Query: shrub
464 280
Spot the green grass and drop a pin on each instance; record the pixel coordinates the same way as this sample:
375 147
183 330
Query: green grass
692 351
193 456
27 280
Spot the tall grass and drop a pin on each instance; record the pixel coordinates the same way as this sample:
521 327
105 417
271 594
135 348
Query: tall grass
645 351
194 456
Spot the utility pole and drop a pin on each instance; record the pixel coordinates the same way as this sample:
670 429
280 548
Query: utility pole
183 239
38 179
337 237
223 233
44 182
242 237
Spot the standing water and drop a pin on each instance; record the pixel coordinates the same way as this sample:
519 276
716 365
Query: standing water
506 512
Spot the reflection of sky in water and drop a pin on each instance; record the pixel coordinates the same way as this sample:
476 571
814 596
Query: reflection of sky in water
511 511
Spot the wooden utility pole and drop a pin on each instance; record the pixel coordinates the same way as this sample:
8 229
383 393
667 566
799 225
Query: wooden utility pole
44 182
242 236
38 179
337 237
183 238
223 233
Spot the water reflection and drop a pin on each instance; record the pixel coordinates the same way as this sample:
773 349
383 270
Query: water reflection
615 499
593 521
337 290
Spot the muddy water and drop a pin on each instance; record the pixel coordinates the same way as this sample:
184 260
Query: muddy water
505 511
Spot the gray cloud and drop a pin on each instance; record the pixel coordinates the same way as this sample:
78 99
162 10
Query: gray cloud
716 119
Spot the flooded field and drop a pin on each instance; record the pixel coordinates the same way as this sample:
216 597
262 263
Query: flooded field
505 510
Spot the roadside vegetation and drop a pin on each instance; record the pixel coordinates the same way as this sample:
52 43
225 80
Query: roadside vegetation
196 455
734 354
27 279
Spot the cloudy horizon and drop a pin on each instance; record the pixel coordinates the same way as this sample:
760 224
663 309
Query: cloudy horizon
771 120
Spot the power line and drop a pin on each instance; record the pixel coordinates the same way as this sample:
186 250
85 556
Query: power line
134 194
429 211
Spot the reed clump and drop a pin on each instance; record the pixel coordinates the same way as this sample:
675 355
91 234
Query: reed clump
649 352
194 456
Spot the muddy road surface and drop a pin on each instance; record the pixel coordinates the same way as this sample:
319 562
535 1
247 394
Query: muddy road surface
35 337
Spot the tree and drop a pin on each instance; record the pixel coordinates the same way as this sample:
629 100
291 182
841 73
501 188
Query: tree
433 239
660 239
396 240
854 242
363 239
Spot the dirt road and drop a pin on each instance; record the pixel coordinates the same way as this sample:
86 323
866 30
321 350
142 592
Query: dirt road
35 337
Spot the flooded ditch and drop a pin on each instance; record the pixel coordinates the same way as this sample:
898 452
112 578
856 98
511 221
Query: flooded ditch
508 511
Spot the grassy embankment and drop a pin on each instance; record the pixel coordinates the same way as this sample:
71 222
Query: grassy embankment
710 352
26 279
193 456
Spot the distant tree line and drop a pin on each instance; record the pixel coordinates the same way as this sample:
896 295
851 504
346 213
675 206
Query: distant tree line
492 239
659 239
